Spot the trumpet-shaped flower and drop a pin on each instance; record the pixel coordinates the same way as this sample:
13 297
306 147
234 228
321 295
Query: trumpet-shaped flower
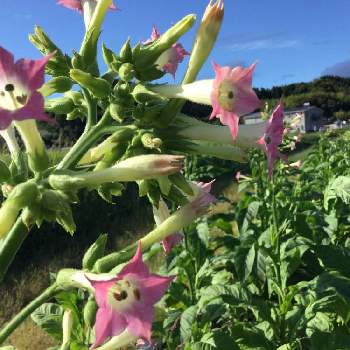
19 82
232 95
273 136
169 60
126 301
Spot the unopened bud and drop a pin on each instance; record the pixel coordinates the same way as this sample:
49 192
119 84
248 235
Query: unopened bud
125 53
126 72
58 84
61 105
205 38
100 88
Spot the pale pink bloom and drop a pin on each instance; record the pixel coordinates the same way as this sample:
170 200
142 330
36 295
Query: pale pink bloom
232 95
273 136
169 59
126 301
238 176
19 82
78 4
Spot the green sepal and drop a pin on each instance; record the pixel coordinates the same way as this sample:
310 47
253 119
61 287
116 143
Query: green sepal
180 182
126 72
57 84
125 53
95 251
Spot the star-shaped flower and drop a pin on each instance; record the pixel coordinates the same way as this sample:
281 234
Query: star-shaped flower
232 95
126 301
273 137
19 82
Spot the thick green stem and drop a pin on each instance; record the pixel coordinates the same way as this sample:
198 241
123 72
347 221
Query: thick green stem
10 246
25 312
86 140
92 110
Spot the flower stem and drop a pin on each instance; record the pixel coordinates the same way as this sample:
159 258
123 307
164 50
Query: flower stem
86 140
11 245
6 331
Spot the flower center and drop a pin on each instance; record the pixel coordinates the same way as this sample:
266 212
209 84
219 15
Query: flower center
226 95
123 295
13 96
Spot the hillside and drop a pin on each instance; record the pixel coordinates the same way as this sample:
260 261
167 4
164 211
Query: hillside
330 93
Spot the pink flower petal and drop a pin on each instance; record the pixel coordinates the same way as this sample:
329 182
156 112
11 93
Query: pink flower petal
273 137
103 327
71 4
136 265
140 322
32 71
232 95
6 63
101 290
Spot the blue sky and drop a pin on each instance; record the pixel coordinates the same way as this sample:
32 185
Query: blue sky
293 41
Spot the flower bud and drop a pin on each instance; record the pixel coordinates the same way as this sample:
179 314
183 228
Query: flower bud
21 195
125 53
95 252
60 105
58 84
205 38
67 326
88 49
126 72
89 312
142 94
100 88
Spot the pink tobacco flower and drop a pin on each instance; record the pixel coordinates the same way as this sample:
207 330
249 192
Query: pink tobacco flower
126 301
78 4
232 95
169 59
19 82
273 136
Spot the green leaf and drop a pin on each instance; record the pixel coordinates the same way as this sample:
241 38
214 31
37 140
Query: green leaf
330 341
187 320
220 340
334 258
337 188
49 317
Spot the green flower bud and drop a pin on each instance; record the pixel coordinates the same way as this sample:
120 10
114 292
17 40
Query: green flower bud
126 72
58 84
21 196
142 94
89 313
95 252
61 105
100 88
125 53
